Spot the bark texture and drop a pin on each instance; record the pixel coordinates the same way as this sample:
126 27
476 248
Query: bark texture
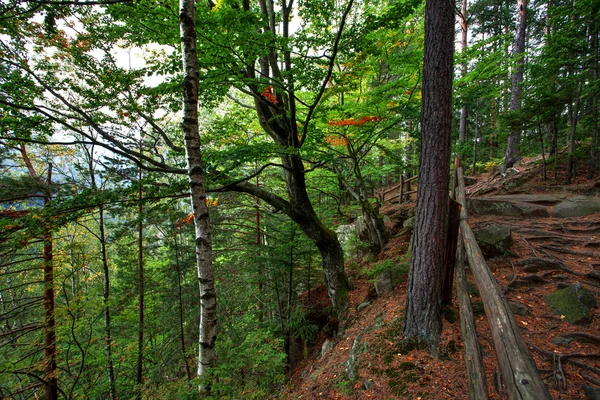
462 131
423 300
514 139
208 299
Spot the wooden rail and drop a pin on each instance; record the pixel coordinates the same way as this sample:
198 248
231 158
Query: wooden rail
400 186
519 373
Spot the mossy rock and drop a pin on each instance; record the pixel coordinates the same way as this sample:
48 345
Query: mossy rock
494 240
574 303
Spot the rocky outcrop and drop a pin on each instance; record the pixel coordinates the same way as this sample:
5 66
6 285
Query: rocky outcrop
530 206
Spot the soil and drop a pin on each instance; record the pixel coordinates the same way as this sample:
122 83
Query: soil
566 355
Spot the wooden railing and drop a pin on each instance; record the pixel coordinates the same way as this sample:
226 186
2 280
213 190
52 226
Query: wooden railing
399 188
521 378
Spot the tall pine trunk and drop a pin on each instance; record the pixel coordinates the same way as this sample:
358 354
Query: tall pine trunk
49 321
462 132
112 391
423 300
514 139
208 298
593 161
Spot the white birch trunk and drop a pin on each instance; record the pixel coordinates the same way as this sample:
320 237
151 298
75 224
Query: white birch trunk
208 304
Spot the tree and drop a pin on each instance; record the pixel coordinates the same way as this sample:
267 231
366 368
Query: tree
512 149
423 300
195 168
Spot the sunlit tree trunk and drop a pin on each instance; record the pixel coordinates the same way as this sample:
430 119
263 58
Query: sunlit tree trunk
423 300
208 299
514 139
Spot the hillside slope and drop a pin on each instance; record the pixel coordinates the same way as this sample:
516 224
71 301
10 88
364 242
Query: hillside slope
567 355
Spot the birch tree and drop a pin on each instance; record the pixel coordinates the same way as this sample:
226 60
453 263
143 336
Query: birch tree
195 168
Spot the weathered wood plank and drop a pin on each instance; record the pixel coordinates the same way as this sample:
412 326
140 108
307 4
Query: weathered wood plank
475 372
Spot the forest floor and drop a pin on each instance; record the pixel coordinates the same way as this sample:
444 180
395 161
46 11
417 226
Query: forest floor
568 356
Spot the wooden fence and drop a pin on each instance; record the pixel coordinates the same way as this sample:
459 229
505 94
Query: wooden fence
399 189
519 374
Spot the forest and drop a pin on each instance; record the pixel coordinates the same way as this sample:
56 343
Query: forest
176 176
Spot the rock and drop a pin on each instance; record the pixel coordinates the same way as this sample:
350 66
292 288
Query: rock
493 240
347 237
383 284
350 364
497 205
363 305
577 206
574 303
367 384
591 392
409 223
518 308
361 228
561 341
327 345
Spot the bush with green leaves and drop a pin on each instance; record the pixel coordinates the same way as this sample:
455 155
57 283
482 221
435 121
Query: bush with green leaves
251 361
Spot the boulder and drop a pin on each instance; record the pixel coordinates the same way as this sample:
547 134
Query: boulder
347 237
409 223
574 303
361 228
327 345
350 364
493 240
576 207
383 283
363 305
518 308
501 206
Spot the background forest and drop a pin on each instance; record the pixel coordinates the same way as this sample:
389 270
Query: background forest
306 110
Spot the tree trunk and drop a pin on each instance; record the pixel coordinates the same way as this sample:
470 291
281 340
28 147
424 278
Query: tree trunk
462 133
106 298
570 172
208 298
474 168
423 301
141 290
593 162
181 319
514 139
49 321
49 327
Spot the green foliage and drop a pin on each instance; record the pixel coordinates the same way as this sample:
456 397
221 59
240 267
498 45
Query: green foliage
249 366
395 267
